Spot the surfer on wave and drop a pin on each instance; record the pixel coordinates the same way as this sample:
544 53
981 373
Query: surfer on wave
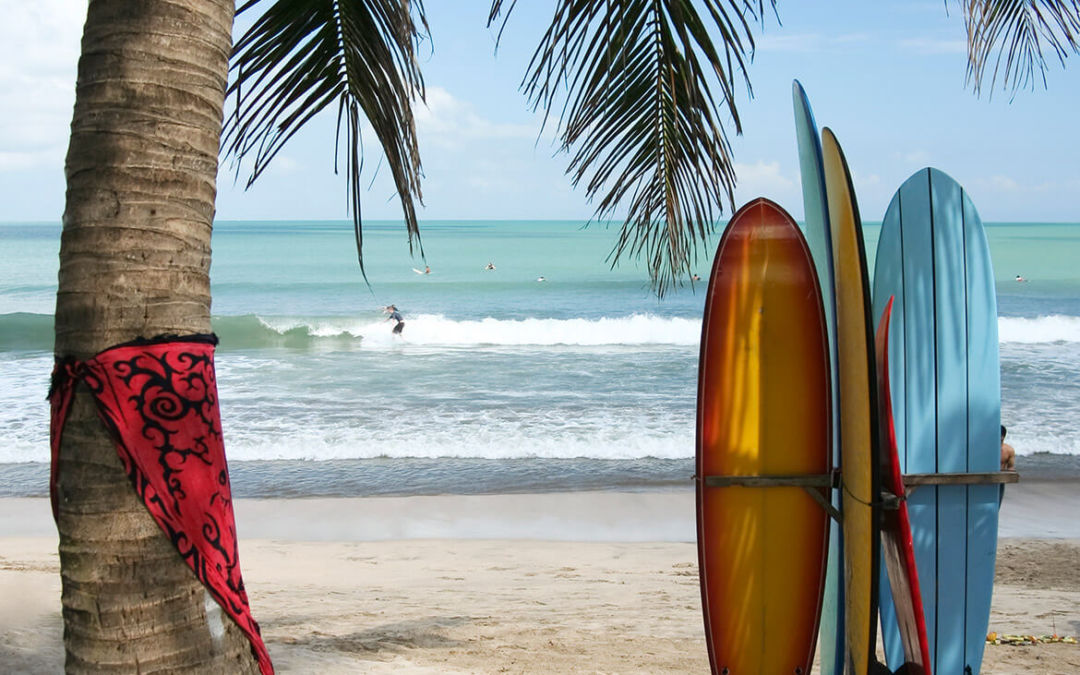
392 310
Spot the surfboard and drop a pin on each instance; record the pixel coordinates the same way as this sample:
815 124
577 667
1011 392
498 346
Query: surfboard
897 547
819 238
762 447
857 391
946 398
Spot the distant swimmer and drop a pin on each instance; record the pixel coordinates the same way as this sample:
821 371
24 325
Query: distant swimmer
695 278
427 269
541 279
1020 278
392 310
490 266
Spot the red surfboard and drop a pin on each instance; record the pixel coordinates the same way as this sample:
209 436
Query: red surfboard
897 548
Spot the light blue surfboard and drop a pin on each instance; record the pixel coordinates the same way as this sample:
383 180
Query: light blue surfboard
818 238
946 390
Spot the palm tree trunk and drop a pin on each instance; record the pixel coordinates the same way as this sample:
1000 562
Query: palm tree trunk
135 261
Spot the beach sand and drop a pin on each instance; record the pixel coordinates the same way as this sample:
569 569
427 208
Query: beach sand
443 584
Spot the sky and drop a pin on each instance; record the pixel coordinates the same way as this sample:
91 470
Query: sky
887 77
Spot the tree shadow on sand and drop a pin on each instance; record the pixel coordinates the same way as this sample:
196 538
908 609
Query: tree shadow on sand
426 633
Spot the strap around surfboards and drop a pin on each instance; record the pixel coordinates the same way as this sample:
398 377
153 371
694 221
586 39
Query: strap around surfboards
814 484
914 480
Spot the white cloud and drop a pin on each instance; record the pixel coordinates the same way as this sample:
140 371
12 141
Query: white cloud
451 122
39 52
1003 183
20 161
761 177
919 157
811 42
866 180
928 46
1000 184
285 164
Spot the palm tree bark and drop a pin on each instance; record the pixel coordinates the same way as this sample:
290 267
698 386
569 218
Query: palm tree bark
134 261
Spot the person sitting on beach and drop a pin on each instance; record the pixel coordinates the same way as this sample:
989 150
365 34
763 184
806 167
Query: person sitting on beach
396 316
1008 455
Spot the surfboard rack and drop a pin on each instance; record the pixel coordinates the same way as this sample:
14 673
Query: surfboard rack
913 480
812 483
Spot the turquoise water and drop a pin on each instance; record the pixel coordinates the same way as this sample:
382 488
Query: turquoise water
501 382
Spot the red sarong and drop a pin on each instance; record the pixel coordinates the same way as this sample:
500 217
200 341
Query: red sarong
158 399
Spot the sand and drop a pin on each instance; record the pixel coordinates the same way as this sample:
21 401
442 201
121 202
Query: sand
434 592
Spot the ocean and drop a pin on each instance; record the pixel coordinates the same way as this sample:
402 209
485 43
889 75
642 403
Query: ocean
551 372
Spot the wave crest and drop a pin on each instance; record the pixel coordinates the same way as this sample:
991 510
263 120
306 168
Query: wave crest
34 332
1044 329
436 330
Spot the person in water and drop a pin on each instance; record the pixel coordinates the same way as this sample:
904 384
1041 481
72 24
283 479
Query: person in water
396 316
490 266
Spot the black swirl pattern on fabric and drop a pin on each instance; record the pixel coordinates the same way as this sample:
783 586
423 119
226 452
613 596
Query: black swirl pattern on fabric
158 399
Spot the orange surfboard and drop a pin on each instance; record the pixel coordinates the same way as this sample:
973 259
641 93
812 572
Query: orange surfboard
763 449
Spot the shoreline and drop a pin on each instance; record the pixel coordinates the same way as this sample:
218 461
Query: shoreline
1031 509
435 476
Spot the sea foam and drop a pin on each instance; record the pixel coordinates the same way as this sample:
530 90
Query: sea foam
1044 329
436 330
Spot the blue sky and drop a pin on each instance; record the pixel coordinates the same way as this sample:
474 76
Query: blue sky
887 77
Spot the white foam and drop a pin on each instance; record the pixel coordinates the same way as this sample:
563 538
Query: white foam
1044 329
436 330
456 441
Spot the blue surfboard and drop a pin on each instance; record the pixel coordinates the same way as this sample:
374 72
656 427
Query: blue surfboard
818 238
946 390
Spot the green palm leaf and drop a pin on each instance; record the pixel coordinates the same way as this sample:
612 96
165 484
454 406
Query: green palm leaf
1018 31
301 57
640 117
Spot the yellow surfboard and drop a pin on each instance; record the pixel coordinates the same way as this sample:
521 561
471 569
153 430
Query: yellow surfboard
858 406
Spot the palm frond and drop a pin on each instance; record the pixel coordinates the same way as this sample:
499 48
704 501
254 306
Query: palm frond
640 117
301 57
1021 32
